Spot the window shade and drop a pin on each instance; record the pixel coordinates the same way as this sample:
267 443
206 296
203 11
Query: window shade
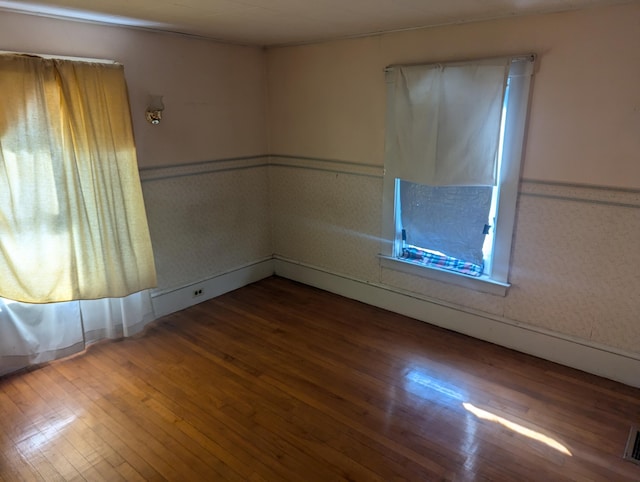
443 121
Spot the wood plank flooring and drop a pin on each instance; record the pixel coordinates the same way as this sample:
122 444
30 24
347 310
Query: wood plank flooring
282 382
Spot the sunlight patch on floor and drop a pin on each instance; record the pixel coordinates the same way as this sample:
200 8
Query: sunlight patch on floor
417 381
41 439
527 432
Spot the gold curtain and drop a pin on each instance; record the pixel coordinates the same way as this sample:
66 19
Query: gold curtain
72 218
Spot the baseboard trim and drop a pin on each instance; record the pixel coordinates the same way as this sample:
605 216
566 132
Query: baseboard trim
178 299
580 354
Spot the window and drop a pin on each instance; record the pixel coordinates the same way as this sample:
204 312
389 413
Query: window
452 165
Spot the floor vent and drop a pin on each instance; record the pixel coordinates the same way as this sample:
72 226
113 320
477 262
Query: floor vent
632 451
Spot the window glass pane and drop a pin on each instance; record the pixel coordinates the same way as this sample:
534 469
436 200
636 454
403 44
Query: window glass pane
447 219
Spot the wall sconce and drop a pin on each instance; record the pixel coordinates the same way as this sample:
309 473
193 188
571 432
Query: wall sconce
154 111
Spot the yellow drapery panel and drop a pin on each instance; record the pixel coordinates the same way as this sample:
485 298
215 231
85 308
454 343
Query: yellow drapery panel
72 218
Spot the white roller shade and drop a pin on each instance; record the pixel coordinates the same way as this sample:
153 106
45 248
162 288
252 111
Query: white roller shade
443 121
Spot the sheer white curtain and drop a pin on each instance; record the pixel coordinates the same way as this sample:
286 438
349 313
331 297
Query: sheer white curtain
38 333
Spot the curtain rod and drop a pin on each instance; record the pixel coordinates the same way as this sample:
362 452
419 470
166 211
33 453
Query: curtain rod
62 57
514 58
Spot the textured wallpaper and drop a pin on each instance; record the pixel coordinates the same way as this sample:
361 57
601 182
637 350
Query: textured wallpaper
205 223
575 264
327 219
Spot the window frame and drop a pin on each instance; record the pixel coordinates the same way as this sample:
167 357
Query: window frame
496 279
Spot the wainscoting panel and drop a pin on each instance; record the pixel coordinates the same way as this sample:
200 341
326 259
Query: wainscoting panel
330 219
575 263
206 219
432 289
178 299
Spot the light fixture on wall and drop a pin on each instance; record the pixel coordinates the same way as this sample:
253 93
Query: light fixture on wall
154 110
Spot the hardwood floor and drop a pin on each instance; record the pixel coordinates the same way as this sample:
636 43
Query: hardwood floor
279 381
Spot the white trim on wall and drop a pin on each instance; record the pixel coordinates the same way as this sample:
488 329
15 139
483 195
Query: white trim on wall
170 301
603 195
330 165
157 173
566 350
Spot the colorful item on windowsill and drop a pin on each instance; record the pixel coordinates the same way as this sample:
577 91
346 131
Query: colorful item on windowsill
439 260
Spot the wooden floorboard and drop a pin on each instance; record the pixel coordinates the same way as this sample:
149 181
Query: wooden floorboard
278 381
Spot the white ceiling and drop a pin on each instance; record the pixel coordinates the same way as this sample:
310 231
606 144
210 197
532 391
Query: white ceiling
280 22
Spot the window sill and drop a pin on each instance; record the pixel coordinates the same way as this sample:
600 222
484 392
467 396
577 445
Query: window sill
481 283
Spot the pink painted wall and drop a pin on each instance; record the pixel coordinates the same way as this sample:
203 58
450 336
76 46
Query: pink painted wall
328 100
214 94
